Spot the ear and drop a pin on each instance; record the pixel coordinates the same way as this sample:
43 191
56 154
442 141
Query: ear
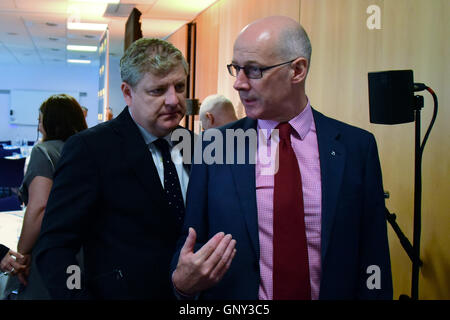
300 67
127 93
210 118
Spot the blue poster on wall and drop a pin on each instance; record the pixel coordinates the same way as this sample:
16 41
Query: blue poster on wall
103 90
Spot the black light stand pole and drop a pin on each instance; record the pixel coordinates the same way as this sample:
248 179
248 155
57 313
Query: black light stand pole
392 101
417 201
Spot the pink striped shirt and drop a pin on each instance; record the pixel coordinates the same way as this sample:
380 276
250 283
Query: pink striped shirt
304 143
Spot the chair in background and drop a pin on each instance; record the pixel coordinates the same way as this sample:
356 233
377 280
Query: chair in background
11 172
8 152
30 143
11 203
8 142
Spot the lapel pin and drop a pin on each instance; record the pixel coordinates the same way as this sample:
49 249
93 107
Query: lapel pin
333 153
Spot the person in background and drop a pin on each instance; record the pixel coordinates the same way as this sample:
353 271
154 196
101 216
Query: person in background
117 193
109 114
215 111
314 227
60 117
85 111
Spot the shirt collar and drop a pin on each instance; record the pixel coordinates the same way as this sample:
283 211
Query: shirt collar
301 123
148 137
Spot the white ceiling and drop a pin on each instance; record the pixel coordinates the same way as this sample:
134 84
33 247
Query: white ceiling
35 32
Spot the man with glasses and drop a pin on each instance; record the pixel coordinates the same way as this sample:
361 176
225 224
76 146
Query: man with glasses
314 228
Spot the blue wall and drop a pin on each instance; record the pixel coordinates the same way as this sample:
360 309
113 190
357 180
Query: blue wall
50 78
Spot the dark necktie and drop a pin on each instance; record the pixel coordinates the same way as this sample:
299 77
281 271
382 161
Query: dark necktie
290 251
171 182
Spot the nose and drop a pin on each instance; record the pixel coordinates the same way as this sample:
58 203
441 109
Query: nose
241 82
171 98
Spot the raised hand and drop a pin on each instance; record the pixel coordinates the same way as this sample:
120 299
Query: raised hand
201 270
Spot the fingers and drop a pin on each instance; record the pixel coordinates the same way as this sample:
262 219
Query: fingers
11 265
17 267
218 252
226 256
208 248
189 244
205 251
15 254
218 262
198 271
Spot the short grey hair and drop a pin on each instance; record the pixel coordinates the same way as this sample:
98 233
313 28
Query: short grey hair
152 55
294 43
212 102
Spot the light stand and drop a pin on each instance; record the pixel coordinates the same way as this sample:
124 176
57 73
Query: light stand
417 201
192 109
392 84
418 182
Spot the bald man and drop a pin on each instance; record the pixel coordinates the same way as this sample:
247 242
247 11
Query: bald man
215 111
313 229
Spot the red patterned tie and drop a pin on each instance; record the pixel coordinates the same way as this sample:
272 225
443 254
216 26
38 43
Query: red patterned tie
290 251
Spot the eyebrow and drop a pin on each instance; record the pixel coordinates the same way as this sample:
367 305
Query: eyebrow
165 84
246 63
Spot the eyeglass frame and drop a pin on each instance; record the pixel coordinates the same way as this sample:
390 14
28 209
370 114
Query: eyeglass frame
261 70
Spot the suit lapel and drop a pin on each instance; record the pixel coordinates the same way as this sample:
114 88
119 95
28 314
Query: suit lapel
332 156
138 155
244 180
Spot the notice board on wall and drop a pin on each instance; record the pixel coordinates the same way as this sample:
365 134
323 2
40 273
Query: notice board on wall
25 104
103 80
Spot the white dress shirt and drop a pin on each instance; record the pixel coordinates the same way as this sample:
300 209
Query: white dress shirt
183 175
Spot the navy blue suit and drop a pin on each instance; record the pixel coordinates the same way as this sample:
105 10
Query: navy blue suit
222 197
107 198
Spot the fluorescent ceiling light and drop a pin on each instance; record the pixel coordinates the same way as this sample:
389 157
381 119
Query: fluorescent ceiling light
97 1
72 47
86 26
78 61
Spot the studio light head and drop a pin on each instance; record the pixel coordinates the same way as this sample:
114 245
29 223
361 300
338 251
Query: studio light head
391 97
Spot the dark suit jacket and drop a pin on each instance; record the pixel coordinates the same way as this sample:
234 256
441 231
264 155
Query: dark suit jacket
3 251
354 237
107 198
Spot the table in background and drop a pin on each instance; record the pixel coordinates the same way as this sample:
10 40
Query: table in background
10 228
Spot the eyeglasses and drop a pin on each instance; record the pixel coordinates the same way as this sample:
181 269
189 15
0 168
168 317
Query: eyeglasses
252 72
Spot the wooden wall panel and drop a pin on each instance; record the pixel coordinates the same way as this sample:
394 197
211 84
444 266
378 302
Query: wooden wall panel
179 39
217 28
207 52
413 35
